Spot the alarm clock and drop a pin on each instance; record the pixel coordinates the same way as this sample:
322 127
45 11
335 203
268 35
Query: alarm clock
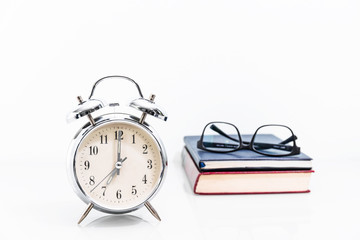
116 161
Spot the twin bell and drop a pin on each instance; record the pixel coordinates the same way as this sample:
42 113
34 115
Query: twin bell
146 106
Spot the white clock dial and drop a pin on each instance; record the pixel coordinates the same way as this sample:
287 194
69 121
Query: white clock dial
118 183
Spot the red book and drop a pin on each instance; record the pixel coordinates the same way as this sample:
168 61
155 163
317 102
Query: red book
245 182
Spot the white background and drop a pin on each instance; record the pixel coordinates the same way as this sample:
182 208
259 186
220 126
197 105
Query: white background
246 62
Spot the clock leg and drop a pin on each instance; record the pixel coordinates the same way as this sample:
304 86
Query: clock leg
152 210
88 209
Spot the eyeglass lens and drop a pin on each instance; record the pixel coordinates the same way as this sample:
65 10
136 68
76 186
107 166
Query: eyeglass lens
221 137
273 140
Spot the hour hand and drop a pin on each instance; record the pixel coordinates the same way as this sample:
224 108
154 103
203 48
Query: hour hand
118 165
110 178
111 173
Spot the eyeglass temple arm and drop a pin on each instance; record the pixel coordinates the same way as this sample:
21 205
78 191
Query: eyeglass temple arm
218 130
263 146
281 145
259 145
292 138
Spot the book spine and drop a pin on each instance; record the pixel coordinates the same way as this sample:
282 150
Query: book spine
245 193
190 168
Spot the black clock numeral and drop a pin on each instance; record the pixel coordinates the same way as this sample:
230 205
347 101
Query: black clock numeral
133 190
144 179
149 161
86 165
133 138
94 150
104 188
92 180
145 149
103 139
118 194
121 135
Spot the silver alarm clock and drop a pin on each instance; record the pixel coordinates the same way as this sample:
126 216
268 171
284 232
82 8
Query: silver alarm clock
116 161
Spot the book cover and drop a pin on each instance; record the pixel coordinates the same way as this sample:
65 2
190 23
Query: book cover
244 159
244 182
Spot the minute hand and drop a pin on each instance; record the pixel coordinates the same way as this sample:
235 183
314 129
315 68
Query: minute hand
119 151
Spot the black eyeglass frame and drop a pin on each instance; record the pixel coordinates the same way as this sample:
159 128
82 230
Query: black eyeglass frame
250 146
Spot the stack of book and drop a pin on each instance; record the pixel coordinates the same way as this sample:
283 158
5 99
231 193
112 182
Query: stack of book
244 171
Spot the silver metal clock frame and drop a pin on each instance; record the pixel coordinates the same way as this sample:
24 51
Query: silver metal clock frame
84 131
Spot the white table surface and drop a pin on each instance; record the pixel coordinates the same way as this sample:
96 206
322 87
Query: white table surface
33 208
246 62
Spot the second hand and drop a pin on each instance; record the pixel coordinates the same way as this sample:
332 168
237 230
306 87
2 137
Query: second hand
112 171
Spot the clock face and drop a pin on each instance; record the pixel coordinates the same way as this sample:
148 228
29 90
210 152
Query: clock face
118 165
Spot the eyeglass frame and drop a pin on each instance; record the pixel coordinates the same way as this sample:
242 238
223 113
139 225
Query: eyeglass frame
295 149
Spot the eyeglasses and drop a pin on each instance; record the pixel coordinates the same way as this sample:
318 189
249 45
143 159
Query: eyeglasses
269 140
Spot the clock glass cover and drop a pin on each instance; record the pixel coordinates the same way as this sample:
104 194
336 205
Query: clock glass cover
118 165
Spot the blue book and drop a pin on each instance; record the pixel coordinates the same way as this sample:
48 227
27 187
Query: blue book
244 160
